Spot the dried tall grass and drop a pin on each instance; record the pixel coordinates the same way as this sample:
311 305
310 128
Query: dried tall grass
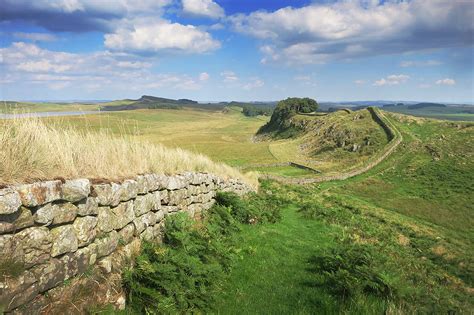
31 150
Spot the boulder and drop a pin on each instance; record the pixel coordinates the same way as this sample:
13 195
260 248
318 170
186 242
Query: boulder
76 189
10 201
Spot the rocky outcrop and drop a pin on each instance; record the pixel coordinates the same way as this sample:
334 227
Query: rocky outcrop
53 231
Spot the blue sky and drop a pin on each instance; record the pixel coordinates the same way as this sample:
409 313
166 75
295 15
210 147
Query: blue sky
420 50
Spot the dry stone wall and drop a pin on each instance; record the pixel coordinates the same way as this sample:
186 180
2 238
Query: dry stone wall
52 231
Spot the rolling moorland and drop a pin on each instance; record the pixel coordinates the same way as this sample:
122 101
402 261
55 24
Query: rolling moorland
395 238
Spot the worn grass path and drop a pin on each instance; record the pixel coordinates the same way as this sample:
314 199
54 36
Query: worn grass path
272 276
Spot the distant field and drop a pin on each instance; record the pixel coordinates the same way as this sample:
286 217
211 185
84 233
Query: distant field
225 137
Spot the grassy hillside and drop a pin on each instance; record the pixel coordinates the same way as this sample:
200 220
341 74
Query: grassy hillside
410 217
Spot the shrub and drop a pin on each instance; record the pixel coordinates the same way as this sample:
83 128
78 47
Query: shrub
182 274
352 269
256 208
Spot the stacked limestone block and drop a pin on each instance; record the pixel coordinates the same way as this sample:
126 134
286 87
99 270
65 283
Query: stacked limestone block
55 230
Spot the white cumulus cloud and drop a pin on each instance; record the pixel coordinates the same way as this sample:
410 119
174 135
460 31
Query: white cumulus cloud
161 36
205 8
320 32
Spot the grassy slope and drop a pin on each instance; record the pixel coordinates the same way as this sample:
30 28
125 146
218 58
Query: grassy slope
414 209
327 142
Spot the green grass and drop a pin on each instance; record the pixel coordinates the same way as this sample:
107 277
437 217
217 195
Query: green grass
288 171
417 260
271 277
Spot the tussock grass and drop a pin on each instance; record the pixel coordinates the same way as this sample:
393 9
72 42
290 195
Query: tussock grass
31 150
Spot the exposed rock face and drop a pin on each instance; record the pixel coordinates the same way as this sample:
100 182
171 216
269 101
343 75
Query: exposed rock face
56 230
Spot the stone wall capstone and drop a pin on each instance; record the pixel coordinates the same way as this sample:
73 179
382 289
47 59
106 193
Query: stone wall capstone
53 231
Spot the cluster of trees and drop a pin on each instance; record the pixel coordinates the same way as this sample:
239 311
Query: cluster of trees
252 110
280 124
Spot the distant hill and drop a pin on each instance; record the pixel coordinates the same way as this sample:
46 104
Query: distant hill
153 102
424 105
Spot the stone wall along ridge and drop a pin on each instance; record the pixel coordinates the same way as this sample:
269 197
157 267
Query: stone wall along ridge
53 231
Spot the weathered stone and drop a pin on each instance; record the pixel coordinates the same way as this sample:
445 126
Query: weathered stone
10 201
38 194
192 190
45 214
144 221
176 197
76 189
32 245
103 193
105 264
88 206
85 257
142 184
127 233
85 228
165 197
124 214
16 221
155 181
107 194
17 291
208 205
129 190
176 182
143 204
65 212
106 219
55 213
64 240
50 274
159 215
70 264
107 244
156 200
147 234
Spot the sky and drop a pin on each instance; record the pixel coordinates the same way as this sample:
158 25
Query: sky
247 50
